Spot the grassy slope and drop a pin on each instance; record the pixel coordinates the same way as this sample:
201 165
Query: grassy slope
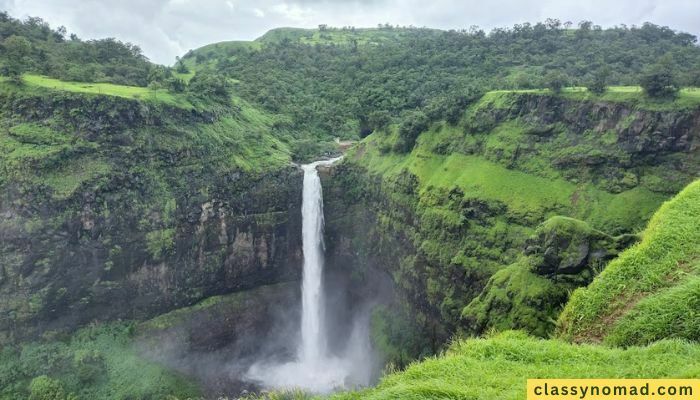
45 154
651 291
498 367
527 196
37 82
633 95
483 188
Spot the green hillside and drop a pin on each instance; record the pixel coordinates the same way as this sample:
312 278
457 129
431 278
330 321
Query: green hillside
344 82
519 203
490 221
652 290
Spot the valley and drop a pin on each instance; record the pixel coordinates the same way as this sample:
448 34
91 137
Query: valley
193 232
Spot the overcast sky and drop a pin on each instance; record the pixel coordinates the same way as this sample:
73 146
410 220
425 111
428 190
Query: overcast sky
166 28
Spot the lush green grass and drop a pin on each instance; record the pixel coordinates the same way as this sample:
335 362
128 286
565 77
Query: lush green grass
66 180
529 197
650 291
497 368
53 155
516 298
687 97
28 148
97 362
109 89
634 95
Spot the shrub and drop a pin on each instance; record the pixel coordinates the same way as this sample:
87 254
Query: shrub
555 81
659 81
44 388
413 125
89 365
599 82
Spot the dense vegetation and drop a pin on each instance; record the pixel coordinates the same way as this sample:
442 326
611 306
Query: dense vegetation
344 82
32 45
563 254
130 189
646 296
652 290
452 216
97 362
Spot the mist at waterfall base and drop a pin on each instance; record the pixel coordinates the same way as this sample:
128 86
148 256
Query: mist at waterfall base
318 367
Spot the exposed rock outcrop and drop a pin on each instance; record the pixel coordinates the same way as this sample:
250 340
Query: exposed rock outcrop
132 210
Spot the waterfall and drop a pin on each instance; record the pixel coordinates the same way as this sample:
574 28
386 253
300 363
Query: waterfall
315 369
313 333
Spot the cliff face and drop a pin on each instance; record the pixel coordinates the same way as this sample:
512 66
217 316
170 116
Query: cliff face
217 340
651 291
442 219
114 208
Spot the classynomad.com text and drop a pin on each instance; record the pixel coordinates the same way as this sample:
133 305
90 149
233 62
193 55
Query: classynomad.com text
613 389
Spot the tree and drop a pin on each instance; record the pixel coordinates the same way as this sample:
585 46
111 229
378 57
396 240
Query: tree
414 123
599 83
659 81
210 86
555 81
379 120
17 49
155 86
175 85
180 66
45 388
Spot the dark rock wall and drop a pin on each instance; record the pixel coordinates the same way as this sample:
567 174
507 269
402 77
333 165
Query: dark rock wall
170 222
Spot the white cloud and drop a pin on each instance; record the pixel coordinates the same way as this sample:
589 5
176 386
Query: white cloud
292 12
166 28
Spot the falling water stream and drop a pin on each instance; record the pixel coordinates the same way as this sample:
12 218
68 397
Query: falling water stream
313 334
314 369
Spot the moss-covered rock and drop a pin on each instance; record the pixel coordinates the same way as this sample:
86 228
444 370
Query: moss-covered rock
117 208
564 246
458 208
651 290
563 254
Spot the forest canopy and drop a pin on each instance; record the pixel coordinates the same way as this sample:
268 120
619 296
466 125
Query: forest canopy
33 46
334 79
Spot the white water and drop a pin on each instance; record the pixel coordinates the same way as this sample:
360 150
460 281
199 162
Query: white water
314 369
313 334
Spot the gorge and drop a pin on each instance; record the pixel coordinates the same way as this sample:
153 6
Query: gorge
178 240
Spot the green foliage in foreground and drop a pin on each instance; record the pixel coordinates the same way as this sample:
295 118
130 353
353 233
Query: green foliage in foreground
651 291
97 362
497 368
